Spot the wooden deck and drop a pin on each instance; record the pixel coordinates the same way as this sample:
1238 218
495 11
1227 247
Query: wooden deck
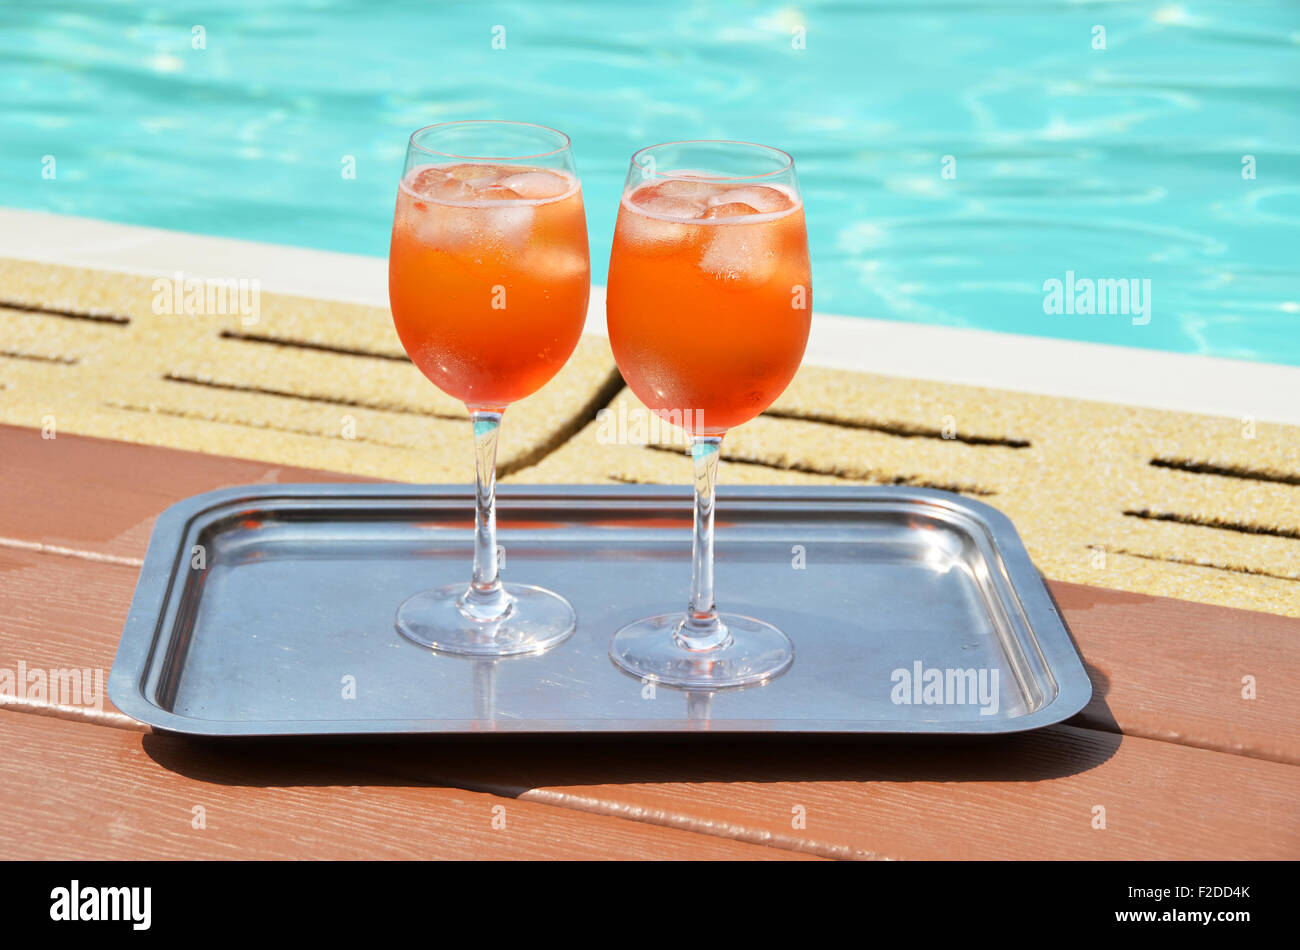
1181 763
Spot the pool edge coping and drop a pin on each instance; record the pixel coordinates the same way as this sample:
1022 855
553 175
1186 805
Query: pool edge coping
1096 372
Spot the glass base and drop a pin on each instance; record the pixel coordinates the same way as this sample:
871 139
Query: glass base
535 620
652 649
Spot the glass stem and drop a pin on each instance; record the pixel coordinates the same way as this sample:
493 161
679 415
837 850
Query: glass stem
702 629
486 599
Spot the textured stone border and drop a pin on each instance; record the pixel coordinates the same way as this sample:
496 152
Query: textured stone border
1117 374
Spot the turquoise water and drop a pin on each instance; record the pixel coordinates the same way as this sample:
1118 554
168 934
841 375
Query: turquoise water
1116 163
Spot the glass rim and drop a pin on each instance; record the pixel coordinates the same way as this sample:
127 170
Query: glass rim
769 149
565 141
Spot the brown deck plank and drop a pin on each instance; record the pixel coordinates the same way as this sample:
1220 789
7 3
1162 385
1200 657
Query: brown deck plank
72 791
101 497
1173 670
1027 797
59 612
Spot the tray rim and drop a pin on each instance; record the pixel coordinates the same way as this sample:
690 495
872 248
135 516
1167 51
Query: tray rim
138 643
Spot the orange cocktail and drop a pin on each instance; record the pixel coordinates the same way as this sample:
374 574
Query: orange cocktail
709 298
488 276
709 306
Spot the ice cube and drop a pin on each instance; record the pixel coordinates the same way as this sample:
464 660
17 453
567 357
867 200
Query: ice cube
556 260
537 184
740 252
682 208
685 188
476 172
445 227
759 197
731 209
506 224
643 229
498 193
422 178
432 182
448 189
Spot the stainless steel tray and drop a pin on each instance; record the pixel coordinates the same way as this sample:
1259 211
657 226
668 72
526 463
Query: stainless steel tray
268 610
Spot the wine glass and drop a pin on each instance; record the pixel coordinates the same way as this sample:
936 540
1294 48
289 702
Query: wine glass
709 305
488 278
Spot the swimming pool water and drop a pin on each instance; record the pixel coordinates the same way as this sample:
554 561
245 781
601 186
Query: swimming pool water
1117 163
